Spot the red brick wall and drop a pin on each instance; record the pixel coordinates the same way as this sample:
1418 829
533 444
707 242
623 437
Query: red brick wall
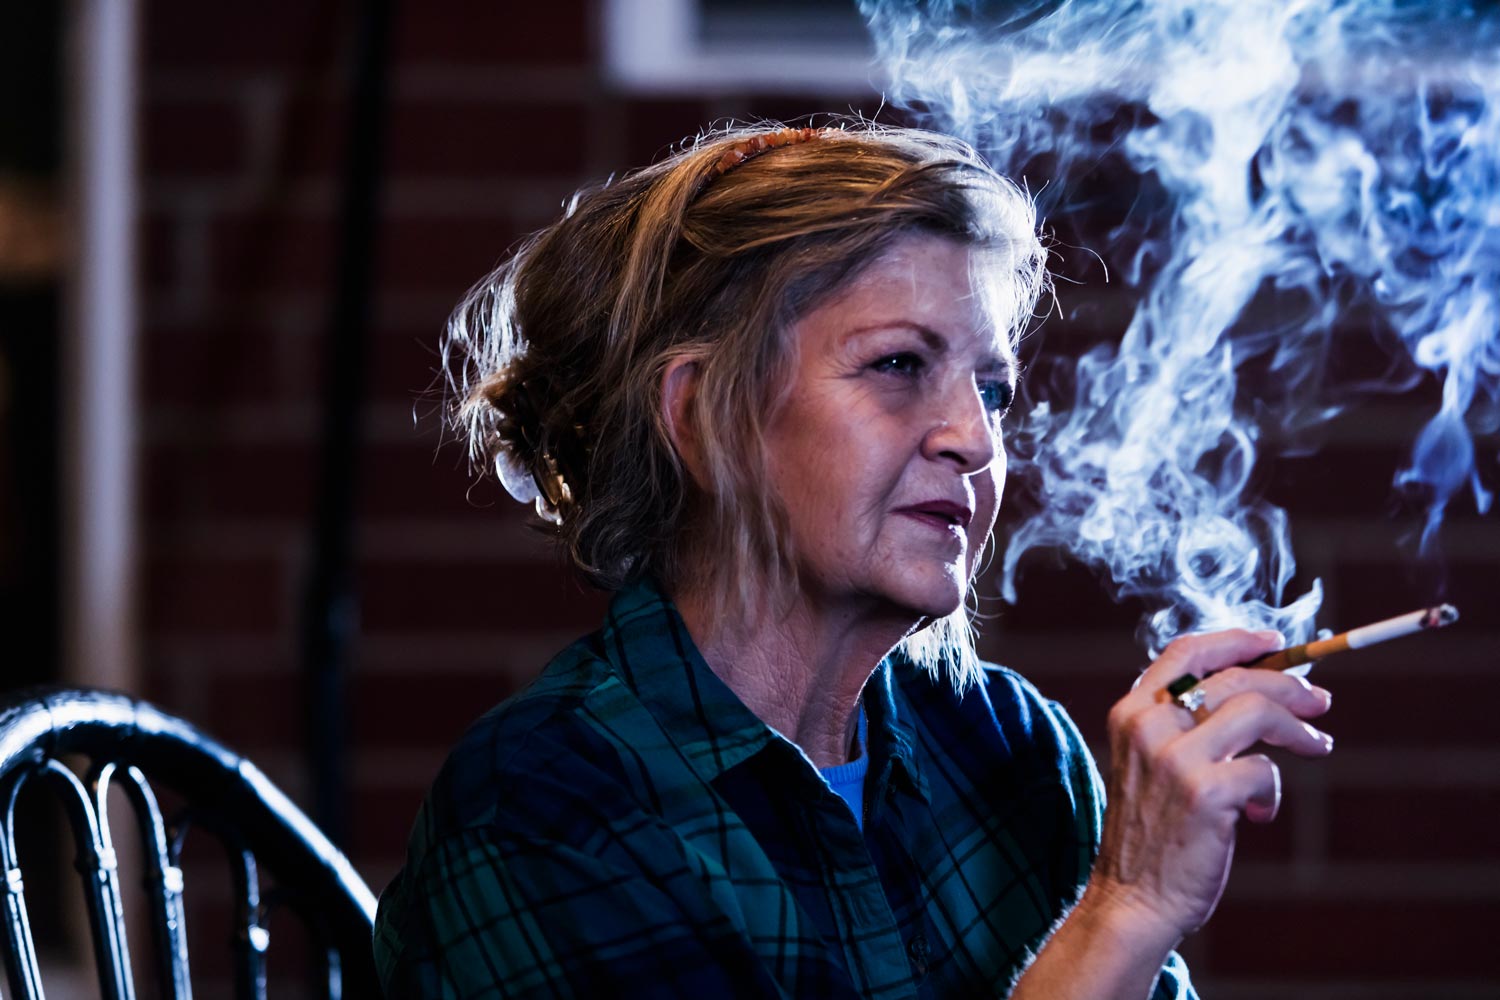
1382 878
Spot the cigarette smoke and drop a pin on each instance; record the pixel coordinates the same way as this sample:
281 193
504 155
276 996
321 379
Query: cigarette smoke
1297 162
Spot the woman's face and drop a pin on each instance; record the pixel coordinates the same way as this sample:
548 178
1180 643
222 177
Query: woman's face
887 452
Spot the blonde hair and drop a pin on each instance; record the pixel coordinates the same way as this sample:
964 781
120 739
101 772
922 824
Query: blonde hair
557 357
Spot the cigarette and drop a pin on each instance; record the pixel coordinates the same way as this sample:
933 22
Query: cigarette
1357 638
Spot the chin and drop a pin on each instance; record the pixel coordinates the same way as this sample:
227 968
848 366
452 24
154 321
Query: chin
931 593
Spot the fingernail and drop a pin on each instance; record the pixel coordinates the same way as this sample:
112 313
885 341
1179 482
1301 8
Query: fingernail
1324 694
1323 738
1271 635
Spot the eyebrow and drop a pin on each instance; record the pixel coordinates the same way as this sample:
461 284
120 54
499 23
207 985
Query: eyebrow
934 341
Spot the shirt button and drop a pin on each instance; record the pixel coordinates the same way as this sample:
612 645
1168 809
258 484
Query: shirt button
917 949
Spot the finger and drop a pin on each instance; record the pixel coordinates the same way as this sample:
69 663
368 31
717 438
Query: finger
1146 728
1248 719
1253 784
1201 655
1295 693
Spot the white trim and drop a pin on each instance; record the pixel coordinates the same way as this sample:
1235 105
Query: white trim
654 47
98 377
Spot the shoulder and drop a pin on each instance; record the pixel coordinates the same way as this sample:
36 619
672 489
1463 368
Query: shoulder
1012 694
1024 711
1049 732
552 852
534 794
1002 733
1003 706
550 755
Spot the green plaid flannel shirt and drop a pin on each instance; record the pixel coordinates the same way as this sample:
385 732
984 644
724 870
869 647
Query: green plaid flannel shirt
627 827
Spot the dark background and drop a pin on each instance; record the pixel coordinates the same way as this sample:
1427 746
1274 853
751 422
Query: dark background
1380 879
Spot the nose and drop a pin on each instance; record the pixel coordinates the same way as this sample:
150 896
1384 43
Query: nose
962 431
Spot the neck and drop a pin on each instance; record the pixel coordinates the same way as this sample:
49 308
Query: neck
800 669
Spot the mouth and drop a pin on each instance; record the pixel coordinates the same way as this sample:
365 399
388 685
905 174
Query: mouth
940 513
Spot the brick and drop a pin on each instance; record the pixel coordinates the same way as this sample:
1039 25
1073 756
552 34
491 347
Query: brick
1381 712
1087 698
1103 660
442 255
309 135
404 367
1273 841
1389 588
383 716
185 684
207 894
1403 824
383 820
273 249
378 871
255 713
194 139
488 34
1067 597
1338 481
164 689
475 596
291 958
208 367
488 138
656 127
243 482
206 594
1363 939
156 238
420 480
220 39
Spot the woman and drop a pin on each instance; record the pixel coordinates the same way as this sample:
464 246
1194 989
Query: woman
757 389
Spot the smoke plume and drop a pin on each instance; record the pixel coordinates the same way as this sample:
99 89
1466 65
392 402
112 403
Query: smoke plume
1296 162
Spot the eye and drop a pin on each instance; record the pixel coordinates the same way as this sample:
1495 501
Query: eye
997 394
901 363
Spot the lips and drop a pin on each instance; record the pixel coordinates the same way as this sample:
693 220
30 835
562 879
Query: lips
944 513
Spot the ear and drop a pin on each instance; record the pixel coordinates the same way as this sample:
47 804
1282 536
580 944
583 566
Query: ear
679 388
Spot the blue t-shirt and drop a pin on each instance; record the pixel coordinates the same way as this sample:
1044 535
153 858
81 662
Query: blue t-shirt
848 780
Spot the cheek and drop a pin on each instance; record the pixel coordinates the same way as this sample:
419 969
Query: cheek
986 504
820 483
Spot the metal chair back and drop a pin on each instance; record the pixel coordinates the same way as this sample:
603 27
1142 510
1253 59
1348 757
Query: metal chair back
129 744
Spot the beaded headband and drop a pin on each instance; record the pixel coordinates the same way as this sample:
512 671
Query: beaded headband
746 149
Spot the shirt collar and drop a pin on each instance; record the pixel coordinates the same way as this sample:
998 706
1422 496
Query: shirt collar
647 642
892 740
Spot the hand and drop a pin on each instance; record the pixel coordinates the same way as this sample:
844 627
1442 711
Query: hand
1178 785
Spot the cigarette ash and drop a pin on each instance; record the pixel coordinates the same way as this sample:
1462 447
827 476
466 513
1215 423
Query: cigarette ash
1440 616
1297 161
